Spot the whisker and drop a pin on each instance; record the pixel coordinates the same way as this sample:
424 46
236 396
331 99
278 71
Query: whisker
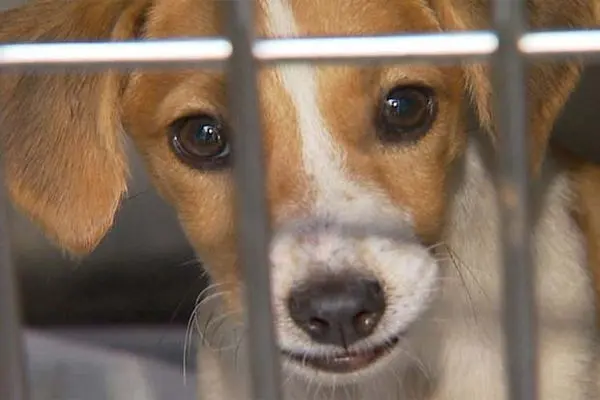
238 345
205 302
457 268
181 303
193 322
207 289
418 362
288 378
347 391
220 320
457 258
319 387
187 292
435 246
312 377
398 381
187 341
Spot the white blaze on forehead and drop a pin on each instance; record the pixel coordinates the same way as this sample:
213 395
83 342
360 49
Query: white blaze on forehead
323 158
342 203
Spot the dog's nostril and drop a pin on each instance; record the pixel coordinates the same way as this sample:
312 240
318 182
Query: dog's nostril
365 322
317 327
338 310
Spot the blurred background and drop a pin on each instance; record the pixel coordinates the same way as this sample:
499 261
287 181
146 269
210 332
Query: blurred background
144 278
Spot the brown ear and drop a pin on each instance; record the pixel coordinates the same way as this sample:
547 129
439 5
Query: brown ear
60 133
548 84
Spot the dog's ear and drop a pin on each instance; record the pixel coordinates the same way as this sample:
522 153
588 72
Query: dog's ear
548 83
60 133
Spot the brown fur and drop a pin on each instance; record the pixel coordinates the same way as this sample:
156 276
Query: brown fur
414 184
557 79
61 134
587 180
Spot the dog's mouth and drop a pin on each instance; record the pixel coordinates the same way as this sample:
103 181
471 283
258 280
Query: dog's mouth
347 362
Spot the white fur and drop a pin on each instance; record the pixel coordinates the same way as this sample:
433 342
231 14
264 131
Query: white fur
467 314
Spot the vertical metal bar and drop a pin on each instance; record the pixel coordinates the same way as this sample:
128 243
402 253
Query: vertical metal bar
253 222
12 363
508 72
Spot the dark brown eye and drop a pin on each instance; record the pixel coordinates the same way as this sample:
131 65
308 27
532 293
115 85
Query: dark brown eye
407 113
200 141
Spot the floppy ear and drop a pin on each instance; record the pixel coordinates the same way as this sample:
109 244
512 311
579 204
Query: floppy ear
60 133
548 83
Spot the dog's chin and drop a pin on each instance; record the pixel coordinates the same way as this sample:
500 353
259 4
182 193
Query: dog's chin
340 366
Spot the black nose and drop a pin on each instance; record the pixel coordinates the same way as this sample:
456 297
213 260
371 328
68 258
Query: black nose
338 310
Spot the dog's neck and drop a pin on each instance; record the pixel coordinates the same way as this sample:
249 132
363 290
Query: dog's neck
463 328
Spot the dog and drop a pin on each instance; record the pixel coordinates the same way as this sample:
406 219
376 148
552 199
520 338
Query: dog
386 280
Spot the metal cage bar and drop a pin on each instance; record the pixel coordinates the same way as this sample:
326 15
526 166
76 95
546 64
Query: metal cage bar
507 47
508 74
12 362
253 226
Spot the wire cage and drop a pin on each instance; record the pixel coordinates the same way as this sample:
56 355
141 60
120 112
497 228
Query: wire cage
507 47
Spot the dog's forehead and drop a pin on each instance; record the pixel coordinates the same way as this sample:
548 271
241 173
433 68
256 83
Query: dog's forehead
310 17
347 17
351 17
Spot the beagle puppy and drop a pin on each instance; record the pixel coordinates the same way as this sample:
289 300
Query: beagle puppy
386 280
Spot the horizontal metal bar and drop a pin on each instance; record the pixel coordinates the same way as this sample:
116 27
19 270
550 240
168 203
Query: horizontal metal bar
206 52
212 52
429 47
561 44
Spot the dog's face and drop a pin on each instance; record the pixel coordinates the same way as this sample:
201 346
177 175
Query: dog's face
357 158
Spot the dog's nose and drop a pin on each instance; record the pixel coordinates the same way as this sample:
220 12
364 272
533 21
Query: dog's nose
338 310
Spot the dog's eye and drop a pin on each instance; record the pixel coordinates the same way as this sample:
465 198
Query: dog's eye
407 113
200 141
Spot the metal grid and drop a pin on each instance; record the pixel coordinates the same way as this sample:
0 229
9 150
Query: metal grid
507 47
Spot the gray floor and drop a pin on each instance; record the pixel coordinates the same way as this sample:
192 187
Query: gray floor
159 343
73 366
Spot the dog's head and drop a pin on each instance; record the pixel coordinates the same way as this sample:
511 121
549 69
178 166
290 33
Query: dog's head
357 156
